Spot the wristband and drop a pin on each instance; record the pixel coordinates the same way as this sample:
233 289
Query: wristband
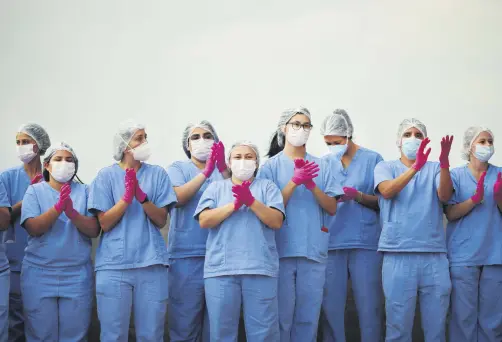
145 200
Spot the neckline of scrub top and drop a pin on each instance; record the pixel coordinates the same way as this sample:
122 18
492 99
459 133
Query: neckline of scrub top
46 184
345 170
469 171
307 157
140 170
195 166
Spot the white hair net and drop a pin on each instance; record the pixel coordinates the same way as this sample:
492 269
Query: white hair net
62 146
37 133
338 123
245 143
470 135
284 119
406 124
126 131
206 125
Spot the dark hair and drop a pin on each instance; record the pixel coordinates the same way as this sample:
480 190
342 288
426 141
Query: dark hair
275 147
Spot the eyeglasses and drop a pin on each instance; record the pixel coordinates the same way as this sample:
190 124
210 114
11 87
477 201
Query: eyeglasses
296 126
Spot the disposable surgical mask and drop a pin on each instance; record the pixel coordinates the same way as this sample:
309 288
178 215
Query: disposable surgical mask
25 153
410 147
338 150
201 148
297 137
62 171
142 152
243 169
483 153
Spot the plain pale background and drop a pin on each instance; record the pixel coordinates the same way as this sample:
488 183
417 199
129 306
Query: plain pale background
80 67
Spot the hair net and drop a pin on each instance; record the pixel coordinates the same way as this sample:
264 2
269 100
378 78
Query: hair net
284 119
406 124
126 131
470 135
245 143
62 146
37 133
338 123
189 130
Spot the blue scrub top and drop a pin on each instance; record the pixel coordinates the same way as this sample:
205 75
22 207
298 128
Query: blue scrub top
16 182
412 221
302 234
354 225
186 238
63 245
135 241
241 244
4 203
475 239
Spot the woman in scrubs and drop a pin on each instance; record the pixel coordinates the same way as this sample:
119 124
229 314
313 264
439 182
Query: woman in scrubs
131 200
474 242
56 276
241 265
187 241
309 191
411 193
354 233
32 141
4 265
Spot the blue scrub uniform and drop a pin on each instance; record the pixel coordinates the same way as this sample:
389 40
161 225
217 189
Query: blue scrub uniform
131 258
187 313
302 243
4 274
414 262
16 182
353 244
475 254
56 276
241 266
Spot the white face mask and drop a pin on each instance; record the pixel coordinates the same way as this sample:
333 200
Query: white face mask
142 152
483 153
297 137
201 148
62 171
25 153
410 146
243 169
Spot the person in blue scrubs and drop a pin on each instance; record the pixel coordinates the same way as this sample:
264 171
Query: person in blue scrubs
56 275
474 238
242 264
187 314
32 141
308 193
131 200
354 233
4 265
411 193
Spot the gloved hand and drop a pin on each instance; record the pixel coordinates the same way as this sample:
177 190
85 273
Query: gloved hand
243 193
299 163
497 188
480 190
350 194
446 142
210 162
64 194
422 156
69 210
130 186
220 157
37 179
304 173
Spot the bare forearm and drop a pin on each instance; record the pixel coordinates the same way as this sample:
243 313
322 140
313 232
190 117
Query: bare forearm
391 188
499 205
41 224
445 189
329 204
369 201
271 217
16 211
457 211
4 218
211 218
287 192
109 219
87 225
188 190
157 215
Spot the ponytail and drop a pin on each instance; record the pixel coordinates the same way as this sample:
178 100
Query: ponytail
276 144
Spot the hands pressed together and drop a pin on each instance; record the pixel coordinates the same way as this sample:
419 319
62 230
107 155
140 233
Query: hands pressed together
65 202
242 195
216 159
305 172
132 188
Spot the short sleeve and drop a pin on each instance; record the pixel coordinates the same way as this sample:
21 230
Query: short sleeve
4 179
4 199
383 172
273 198
86 189
207 200
437 175
31 207
165 196
100 194
176 175
379 159
265 172
332 186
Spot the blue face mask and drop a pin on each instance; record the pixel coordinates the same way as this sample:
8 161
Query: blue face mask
410 147
483 153
338 150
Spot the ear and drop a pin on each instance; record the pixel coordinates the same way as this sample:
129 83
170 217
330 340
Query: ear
35 148
283 129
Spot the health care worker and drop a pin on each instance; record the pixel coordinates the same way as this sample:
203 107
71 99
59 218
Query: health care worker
131 199
187 312
354 233
4 265
309 190
242 263
411 194
56 277
32 141
475 242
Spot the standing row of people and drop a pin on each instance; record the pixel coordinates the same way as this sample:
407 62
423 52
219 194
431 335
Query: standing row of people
278 241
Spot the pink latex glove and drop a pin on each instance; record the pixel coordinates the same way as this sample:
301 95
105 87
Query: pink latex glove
444 161
220 157
70 212
37 179
299 163
304 173
350 194
130 185
480 190
243 193
64 194
238 203
210 162
422 156
497 188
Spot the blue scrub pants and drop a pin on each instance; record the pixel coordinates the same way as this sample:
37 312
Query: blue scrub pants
476 303
143 289
365 270
4 304
16 317
406 275
57 303
301 284
258 296
187 312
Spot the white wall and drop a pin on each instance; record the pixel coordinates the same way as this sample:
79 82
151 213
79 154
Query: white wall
80 67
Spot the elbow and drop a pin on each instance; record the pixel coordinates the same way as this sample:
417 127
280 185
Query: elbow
203 222
276 224
386 195
444 198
